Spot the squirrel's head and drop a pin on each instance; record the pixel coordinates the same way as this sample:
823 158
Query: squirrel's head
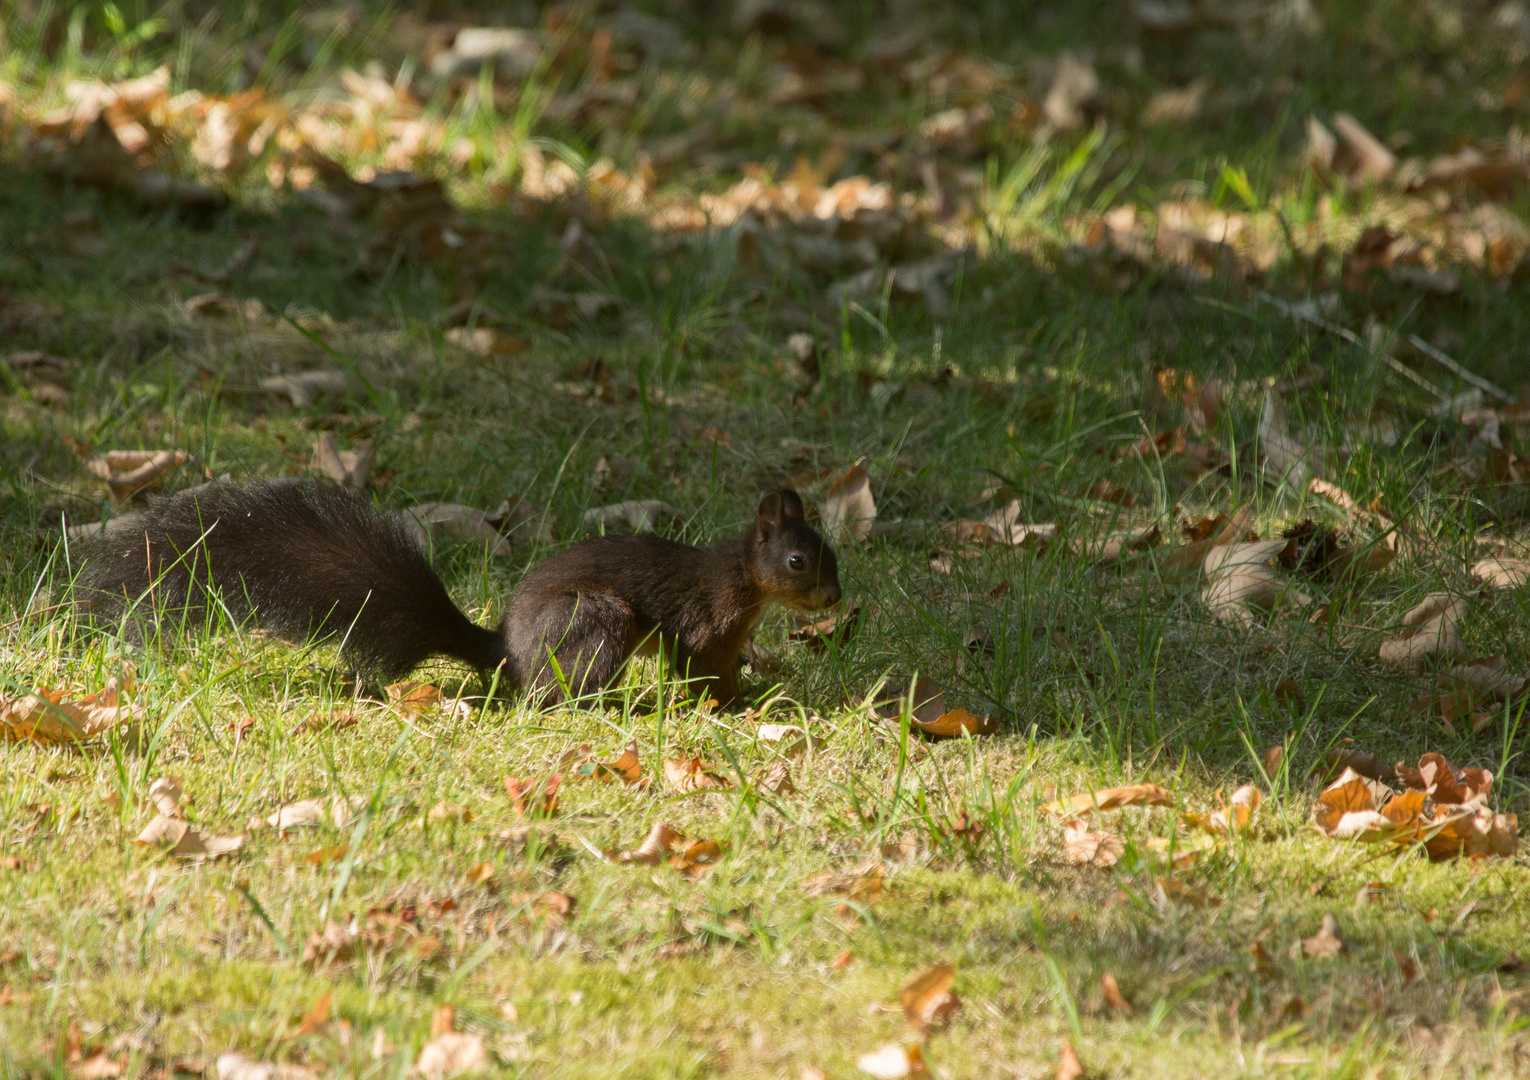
792 562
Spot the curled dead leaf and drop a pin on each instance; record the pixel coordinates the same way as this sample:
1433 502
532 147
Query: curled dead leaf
1111 799
661 840
1083 846
185 841
46 717
1501 572
1429 634
927 998
689 774
849 511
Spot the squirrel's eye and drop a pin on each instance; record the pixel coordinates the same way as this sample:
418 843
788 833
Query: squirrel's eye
796 562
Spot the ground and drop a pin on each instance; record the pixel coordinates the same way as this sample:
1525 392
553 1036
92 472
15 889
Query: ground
1085 268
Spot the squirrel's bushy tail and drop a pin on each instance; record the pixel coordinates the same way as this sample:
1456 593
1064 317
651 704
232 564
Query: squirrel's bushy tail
297 557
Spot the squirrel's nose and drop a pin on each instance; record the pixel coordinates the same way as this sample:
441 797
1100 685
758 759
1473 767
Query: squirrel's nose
831 595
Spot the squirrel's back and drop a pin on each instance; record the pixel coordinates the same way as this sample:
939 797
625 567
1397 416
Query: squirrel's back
300 558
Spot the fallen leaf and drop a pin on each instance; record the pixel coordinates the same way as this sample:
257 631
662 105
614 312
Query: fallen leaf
47 717
465 523
98 1066
303 387
1114 999
1111 799
893 1061
481 874
1068 1065
235 1066
1326 943
185 841
661 840
627 768
452 1054
539 798
1112 549
1083 846
1501 572
165 795
1234 817
862 884
837 629
849 511
414 698
698 857
351 469
1273 757
485 342
927 998
314 1019
639 515
329 945
778 780
689 774
450 811
1238 577
1430 634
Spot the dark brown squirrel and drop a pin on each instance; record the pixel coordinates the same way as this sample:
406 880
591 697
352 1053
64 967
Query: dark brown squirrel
304 560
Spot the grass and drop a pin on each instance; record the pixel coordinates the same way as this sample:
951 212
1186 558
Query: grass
1038 379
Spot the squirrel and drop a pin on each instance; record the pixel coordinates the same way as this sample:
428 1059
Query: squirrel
305 560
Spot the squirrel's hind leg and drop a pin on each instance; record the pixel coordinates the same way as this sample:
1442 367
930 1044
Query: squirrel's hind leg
579 643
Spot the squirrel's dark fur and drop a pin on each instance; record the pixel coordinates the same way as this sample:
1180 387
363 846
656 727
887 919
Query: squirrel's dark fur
305 560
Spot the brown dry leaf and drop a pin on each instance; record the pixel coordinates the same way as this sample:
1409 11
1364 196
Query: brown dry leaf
1487 678
1326 943
130 472
626 768
165 795
1069 1067
837 629
893 1061
929 704
47 717
1083 846
465 523
927 998
1446 784
1288 460
1430 634
689 774
302 388
862 884
1206 534
638 515
1238 577
450 811
453 1053
778 780
98 1066
1349 808
485 342
351 469
1234 817
1111 799
1501 572
186 841
699 857
235 1066
481 874
955 723
849 511
334 943
1273 757
1114 999
413 699
315 722
538 798
314 1019
661 840
1112 549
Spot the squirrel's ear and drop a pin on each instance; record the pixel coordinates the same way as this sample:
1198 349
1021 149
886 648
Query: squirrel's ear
767 519
791 503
